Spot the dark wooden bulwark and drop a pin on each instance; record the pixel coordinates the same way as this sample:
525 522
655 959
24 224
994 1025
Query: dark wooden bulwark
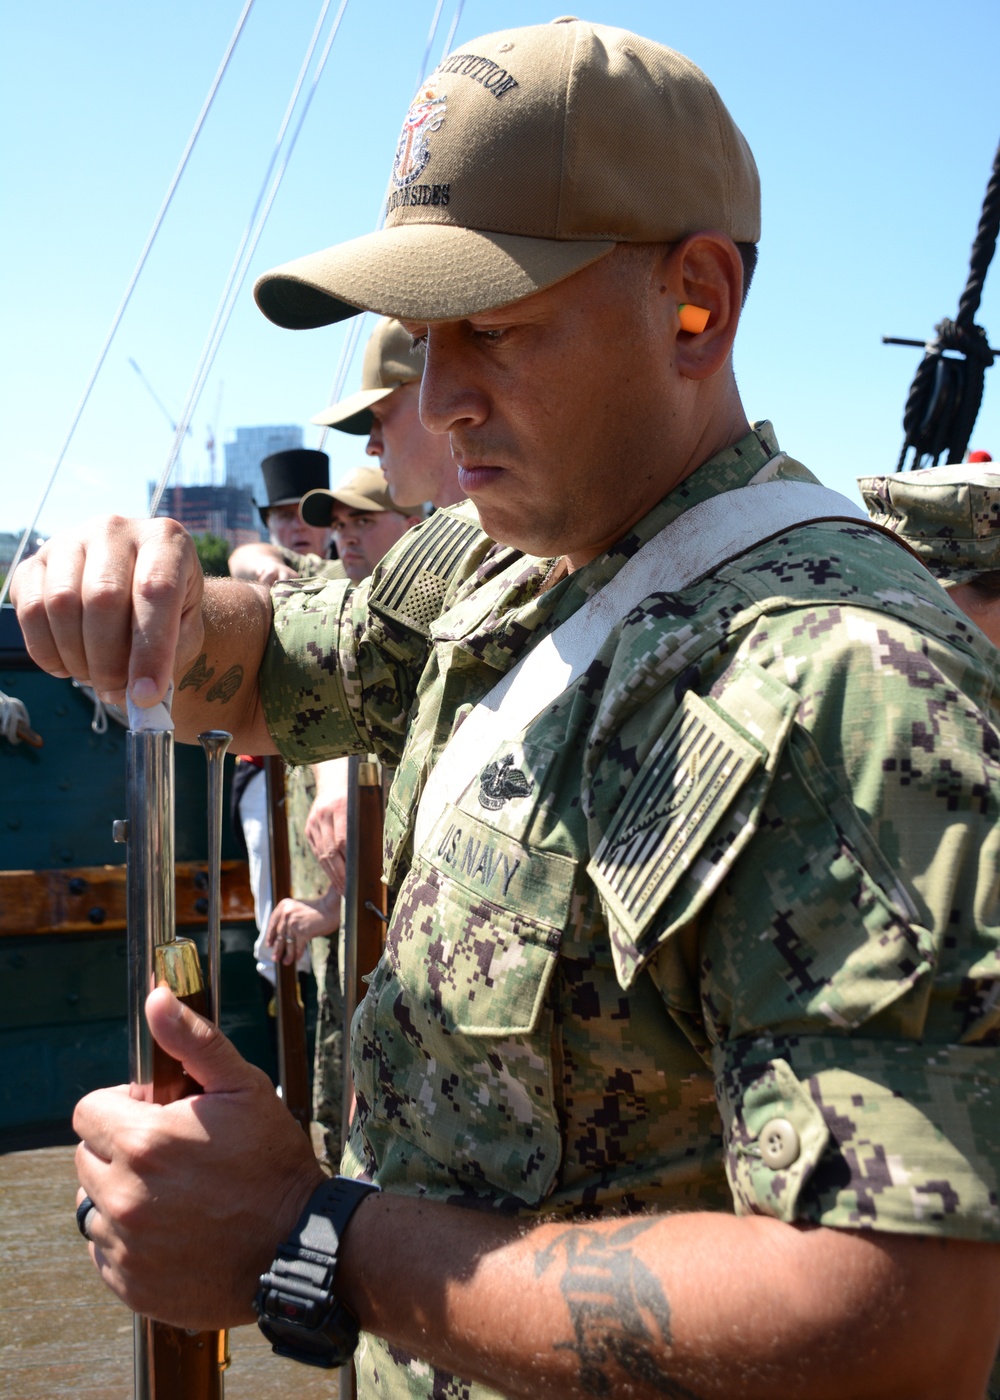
63 994
93 897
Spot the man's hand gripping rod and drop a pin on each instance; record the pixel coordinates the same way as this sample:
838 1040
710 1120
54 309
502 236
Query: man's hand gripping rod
170 1363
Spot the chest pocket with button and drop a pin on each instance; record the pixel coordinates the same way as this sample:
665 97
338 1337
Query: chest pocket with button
460 1028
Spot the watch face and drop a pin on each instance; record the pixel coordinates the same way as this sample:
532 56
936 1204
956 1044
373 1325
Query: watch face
329 1341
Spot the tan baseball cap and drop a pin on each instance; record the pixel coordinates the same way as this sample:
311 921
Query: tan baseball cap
948 515
365 488
389 363
521 160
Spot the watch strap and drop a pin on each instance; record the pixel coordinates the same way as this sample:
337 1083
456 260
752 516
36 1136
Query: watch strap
297 1308
327 1211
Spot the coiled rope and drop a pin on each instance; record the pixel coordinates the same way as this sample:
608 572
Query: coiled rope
946 392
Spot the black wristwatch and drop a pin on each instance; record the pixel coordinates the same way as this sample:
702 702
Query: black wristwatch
296 1307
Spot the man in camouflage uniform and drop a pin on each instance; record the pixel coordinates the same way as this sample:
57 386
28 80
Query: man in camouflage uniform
364 523
296 549
680 1070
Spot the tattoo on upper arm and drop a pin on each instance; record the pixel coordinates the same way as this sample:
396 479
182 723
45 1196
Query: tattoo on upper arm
199 673
618 1309
227 685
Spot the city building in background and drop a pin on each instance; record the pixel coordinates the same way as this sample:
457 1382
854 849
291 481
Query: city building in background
229 510
226 511
252 445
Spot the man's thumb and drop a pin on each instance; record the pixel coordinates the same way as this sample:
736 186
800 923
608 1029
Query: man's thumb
207 1056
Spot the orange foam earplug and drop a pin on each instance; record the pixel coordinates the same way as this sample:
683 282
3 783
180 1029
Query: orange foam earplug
692 318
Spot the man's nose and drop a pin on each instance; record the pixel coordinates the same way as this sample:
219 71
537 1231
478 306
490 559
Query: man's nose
450 396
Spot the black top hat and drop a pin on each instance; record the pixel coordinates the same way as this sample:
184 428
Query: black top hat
290 474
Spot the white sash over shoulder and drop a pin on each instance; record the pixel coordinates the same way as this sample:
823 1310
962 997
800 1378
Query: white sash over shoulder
697 542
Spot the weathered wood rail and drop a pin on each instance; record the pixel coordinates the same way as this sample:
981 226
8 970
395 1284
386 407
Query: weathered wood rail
88 899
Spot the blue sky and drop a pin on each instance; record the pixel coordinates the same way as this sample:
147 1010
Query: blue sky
874 127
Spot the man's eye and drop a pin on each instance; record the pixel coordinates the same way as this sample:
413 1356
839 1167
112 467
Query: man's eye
491 337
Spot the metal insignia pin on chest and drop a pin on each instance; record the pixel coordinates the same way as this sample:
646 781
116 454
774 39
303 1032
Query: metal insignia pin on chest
501 781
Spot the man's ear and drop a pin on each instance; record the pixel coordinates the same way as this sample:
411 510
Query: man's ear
703 273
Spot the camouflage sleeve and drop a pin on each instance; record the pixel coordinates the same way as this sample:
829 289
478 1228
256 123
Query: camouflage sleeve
835 938
343 662
311 565
308 878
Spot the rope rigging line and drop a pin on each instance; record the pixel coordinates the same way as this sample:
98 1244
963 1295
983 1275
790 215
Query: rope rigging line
250 238
421 75
102 709
143 256
350 345
946 393
451 32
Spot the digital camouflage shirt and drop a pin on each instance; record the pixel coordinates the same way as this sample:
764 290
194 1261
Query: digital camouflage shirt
309 881
719 930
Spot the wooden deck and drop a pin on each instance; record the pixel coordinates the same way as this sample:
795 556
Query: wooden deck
62 1333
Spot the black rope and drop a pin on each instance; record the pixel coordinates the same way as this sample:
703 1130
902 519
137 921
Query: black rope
947 389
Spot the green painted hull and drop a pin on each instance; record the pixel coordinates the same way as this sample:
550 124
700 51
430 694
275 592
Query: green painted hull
63 996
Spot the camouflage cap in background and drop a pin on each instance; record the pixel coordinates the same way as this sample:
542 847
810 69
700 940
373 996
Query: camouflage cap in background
950 516
390 362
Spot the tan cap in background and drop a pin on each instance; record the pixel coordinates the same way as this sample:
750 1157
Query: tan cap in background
522 159
389 362
364 488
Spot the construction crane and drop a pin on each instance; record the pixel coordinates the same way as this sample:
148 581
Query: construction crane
156 398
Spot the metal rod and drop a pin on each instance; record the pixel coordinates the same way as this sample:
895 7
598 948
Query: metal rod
918 344
215 742
148 832
149 878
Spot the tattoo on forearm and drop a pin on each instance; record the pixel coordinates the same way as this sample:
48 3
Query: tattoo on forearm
227 685
619 1312
199 673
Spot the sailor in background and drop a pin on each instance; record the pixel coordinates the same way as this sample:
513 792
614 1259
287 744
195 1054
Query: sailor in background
364 524
680 1072
362 517
418 465
295 550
